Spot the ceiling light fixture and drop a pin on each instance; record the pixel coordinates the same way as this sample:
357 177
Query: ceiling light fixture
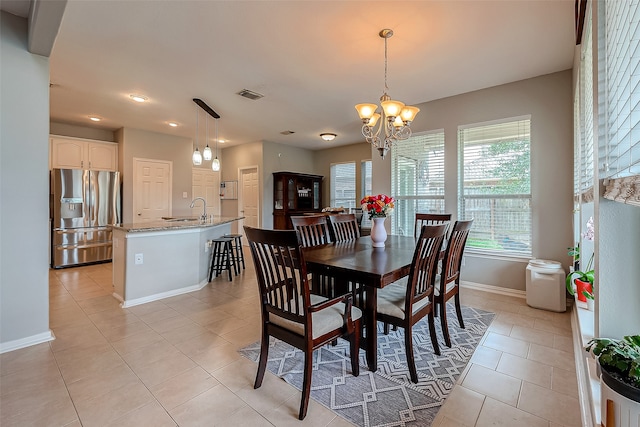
94 118
138 98
173 124
396 117
328 136
206 153
215 164
197 157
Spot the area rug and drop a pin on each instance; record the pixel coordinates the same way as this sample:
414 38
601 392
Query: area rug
386 397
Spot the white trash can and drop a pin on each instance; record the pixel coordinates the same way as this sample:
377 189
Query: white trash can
545 285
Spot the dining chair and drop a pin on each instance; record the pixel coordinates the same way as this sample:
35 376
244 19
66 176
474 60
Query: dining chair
290 312
430 219
407 301
448 279
313 229
344 227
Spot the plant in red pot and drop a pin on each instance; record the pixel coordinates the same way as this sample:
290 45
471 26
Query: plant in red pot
583 279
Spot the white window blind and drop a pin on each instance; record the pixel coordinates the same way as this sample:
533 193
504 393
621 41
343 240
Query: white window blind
619 34
586 162
417 179
367 188
495 186
343 185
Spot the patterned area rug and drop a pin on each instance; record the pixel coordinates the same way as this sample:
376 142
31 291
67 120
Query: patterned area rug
386 397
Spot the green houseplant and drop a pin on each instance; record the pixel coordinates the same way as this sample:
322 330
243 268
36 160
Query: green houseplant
583 279
619 362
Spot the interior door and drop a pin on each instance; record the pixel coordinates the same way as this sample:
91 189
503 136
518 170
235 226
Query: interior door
152 194
248 199
206 183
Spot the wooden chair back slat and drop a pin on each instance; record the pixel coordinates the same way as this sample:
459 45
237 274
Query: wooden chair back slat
344 227
430 219
313 230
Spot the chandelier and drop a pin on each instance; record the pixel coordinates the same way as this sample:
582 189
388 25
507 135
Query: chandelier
207 154
395 121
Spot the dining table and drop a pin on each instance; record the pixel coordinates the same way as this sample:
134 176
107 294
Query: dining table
356 264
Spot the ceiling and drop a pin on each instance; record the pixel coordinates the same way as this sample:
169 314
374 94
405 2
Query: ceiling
312 60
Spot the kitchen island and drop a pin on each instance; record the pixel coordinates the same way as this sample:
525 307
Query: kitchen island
160 259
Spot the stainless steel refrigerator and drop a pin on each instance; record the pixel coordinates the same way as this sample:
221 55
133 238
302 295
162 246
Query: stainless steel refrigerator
83 204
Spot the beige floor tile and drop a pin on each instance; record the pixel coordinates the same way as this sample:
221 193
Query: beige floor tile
183 387
227 325
159 315
119 332
81 368
39 410
563 343
25 358
532 335
151 414
552 357
500 327
208 407
153 373
447 422
340 422
506 344
136 342
42 376
245 417
244 336
237 375
462 405
525 369
85 334
495 413
172 323
565 382
494 384
108 407
272 393
286 415
217 357
102 382
552 326
485 356
184 333
150 353
516 319
550 405
148 308
72 355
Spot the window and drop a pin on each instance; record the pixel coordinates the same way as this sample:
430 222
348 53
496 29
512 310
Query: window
495 185
343 185
417 179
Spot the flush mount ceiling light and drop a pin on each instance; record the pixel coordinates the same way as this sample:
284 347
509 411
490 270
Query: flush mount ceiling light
396 118
138 98
173 124
94 118
328 136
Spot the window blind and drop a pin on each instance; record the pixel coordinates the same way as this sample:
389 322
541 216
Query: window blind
495 185
417 179
619 34
367 188
343 185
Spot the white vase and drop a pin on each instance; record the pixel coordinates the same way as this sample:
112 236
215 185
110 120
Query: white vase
378 233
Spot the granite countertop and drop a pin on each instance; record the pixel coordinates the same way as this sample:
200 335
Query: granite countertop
175 223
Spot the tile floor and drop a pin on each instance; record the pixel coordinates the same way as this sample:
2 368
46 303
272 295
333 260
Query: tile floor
175 362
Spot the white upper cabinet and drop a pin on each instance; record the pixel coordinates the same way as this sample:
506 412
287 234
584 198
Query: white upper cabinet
76 153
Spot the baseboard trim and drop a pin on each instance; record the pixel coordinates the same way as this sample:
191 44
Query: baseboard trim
493 289
27 342
161 295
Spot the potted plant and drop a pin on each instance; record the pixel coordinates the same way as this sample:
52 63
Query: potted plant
583 279
590 298
619 363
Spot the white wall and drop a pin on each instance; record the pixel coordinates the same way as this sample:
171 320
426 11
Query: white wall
548 99
24 189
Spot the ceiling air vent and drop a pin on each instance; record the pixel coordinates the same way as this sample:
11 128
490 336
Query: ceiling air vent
250 94
287 132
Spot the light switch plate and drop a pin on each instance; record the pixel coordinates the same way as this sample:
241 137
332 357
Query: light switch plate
139 259
184 195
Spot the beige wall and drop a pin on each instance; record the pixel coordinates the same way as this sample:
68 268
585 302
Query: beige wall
135 143
65 129
548 99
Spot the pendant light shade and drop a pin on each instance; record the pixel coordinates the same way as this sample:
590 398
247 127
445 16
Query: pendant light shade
206 153
197 157
215 165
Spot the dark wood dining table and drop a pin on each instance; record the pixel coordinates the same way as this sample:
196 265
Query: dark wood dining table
358 262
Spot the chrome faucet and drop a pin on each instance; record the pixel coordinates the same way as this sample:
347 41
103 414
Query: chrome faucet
203 217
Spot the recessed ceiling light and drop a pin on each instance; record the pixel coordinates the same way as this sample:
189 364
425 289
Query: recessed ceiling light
328 136
94 118
221 141
173 124
138 98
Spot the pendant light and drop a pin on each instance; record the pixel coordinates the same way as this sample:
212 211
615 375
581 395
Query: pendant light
206 153
197 157
215 164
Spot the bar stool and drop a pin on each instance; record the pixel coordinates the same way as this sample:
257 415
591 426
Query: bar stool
237 247
222 257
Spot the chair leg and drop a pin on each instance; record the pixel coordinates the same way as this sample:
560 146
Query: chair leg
408 346
354 348
262 363
306 383
444 324
432 332
386 328
459 310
